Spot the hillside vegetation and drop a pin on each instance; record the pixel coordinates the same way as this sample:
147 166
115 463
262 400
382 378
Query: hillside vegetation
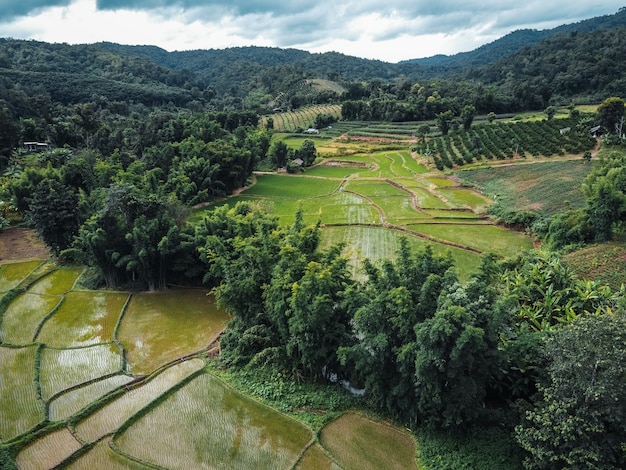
259 257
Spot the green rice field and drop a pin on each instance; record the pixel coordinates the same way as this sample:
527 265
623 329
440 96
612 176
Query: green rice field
232 431
159 327
122 380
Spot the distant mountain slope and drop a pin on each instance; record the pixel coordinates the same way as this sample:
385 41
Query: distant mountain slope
515 41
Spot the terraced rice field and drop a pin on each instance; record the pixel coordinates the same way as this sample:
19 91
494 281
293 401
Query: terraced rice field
114 380
389 190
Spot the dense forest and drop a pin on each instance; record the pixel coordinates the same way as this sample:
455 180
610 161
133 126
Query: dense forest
136 137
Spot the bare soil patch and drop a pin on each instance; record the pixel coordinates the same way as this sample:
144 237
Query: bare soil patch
21 243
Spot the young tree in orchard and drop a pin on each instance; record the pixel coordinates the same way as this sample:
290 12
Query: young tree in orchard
579 420
467 116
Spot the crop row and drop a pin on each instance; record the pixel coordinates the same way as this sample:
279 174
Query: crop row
303 118
506 140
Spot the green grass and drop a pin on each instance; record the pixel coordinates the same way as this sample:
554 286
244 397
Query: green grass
102 456
159 327
83 318
330 171
315 458
215 427
20 407
359 442
544 187
605 262
374 188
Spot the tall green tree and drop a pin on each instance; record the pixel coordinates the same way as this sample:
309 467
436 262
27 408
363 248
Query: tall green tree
579 420
53 212
610 113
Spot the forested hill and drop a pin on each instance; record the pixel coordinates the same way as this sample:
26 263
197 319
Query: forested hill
515 41
580 61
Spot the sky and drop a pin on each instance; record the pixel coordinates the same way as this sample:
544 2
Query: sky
390 30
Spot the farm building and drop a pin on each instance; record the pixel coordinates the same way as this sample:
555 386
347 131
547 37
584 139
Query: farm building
35 146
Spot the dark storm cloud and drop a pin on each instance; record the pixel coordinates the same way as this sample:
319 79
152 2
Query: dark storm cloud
14 8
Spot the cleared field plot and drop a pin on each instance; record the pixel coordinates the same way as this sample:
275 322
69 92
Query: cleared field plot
57 282
398 210
215 427
291 187
481 237
71 402
371 188
110 417
451 214
377 243
464 198
65 368
23 316
329 171
314 458
20 407
357 442
426 199
101 456
343 208
605 262
11 274
83 318
48 451
159 327
441 181
545 187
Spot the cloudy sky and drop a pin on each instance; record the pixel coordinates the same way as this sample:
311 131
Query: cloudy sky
390 30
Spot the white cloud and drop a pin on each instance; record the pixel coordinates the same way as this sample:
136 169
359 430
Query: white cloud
392 31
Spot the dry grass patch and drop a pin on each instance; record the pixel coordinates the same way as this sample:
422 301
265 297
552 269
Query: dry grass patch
314 458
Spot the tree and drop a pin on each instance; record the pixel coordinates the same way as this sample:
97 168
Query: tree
467 116
53 212
444 120
279 152
579 420
307 152
319 318
550 112
456 354
610 113
605 206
